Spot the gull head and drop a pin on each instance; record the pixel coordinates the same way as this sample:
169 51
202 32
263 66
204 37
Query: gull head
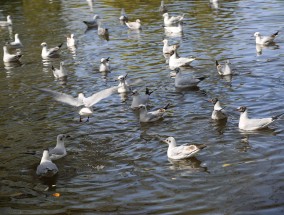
165 15
241 109
9 18
256 34
43 44
122 78
165 41
170 140
72 36
135 93
17 36
61 63
81 97
62 137
96 17
214 101
103 60
228 62
138 21
142 107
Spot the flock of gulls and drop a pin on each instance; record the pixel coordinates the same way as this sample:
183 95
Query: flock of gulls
172 25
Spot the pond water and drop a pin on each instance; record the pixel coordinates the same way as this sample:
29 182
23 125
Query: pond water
116 165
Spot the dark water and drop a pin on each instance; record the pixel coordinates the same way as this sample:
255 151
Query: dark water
115 164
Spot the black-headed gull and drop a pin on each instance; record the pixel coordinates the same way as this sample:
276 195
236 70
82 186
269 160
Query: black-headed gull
181 152
169 21
61 72
102 31
245 123
185 82
46 168
104 66
151 116
59 150
176 61
50 53
16 44
265 40
81 100
6 23
92 23
134 25
140 99
163 8
10 58
218 113
224 69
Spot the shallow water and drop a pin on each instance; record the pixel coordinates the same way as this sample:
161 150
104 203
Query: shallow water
117 165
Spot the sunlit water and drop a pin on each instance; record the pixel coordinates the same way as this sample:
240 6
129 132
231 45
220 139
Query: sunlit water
114 163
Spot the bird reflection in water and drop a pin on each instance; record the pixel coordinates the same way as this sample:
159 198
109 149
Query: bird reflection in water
191 165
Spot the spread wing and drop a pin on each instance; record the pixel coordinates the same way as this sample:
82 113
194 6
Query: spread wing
61 97
95 98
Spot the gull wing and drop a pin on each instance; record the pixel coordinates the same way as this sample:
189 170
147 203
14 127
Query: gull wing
95 98
61 97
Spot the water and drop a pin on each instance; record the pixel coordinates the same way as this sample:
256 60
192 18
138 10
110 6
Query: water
115 165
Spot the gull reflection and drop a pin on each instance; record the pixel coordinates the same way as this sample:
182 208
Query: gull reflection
191 165
134 34
73 50
214 4
90 3
10 65
259 48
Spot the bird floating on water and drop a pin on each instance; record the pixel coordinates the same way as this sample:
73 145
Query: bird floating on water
59 73
59 150
16 44
151 116
92 23
224 69
139 99
46 168
50 53
134 25
265 40
10 58
6 23
218 112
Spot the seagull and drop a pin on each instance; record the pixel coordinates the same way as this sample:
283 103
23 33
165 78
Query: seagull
105 67
102 31
52 52
9 58
15 44
123 17
163 8
81 100
140 99
123 86
46 168
185 82
92 23
217 113
174 29
59 73
6 23
167 49
181 152
265 40
176 61
71 41
224 69
169 21
245 123
151 116
59 151
134 25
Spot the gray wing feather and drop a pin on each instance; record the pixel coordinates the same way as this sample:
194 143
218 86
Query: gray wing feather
95 98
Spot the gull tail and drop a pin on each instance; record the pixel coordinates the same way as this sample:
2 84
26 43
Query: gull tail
167 106
277 116
148 91
275 35
60 45
52 68
217 63
201 146
201 78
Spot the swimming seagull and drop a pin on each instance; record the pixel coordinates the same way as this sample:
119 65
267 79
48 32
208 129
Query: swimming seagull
59 73
139 99
245 123
167 49
104 67
71 41
49 53
81 100
134 25
9 58
163 8
46 168
224 69
152 116
169 21
186 82
92 23
6 23
59 151
123 17
181 152
15 44
102 31
265 40
218 113
176 61
173 29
